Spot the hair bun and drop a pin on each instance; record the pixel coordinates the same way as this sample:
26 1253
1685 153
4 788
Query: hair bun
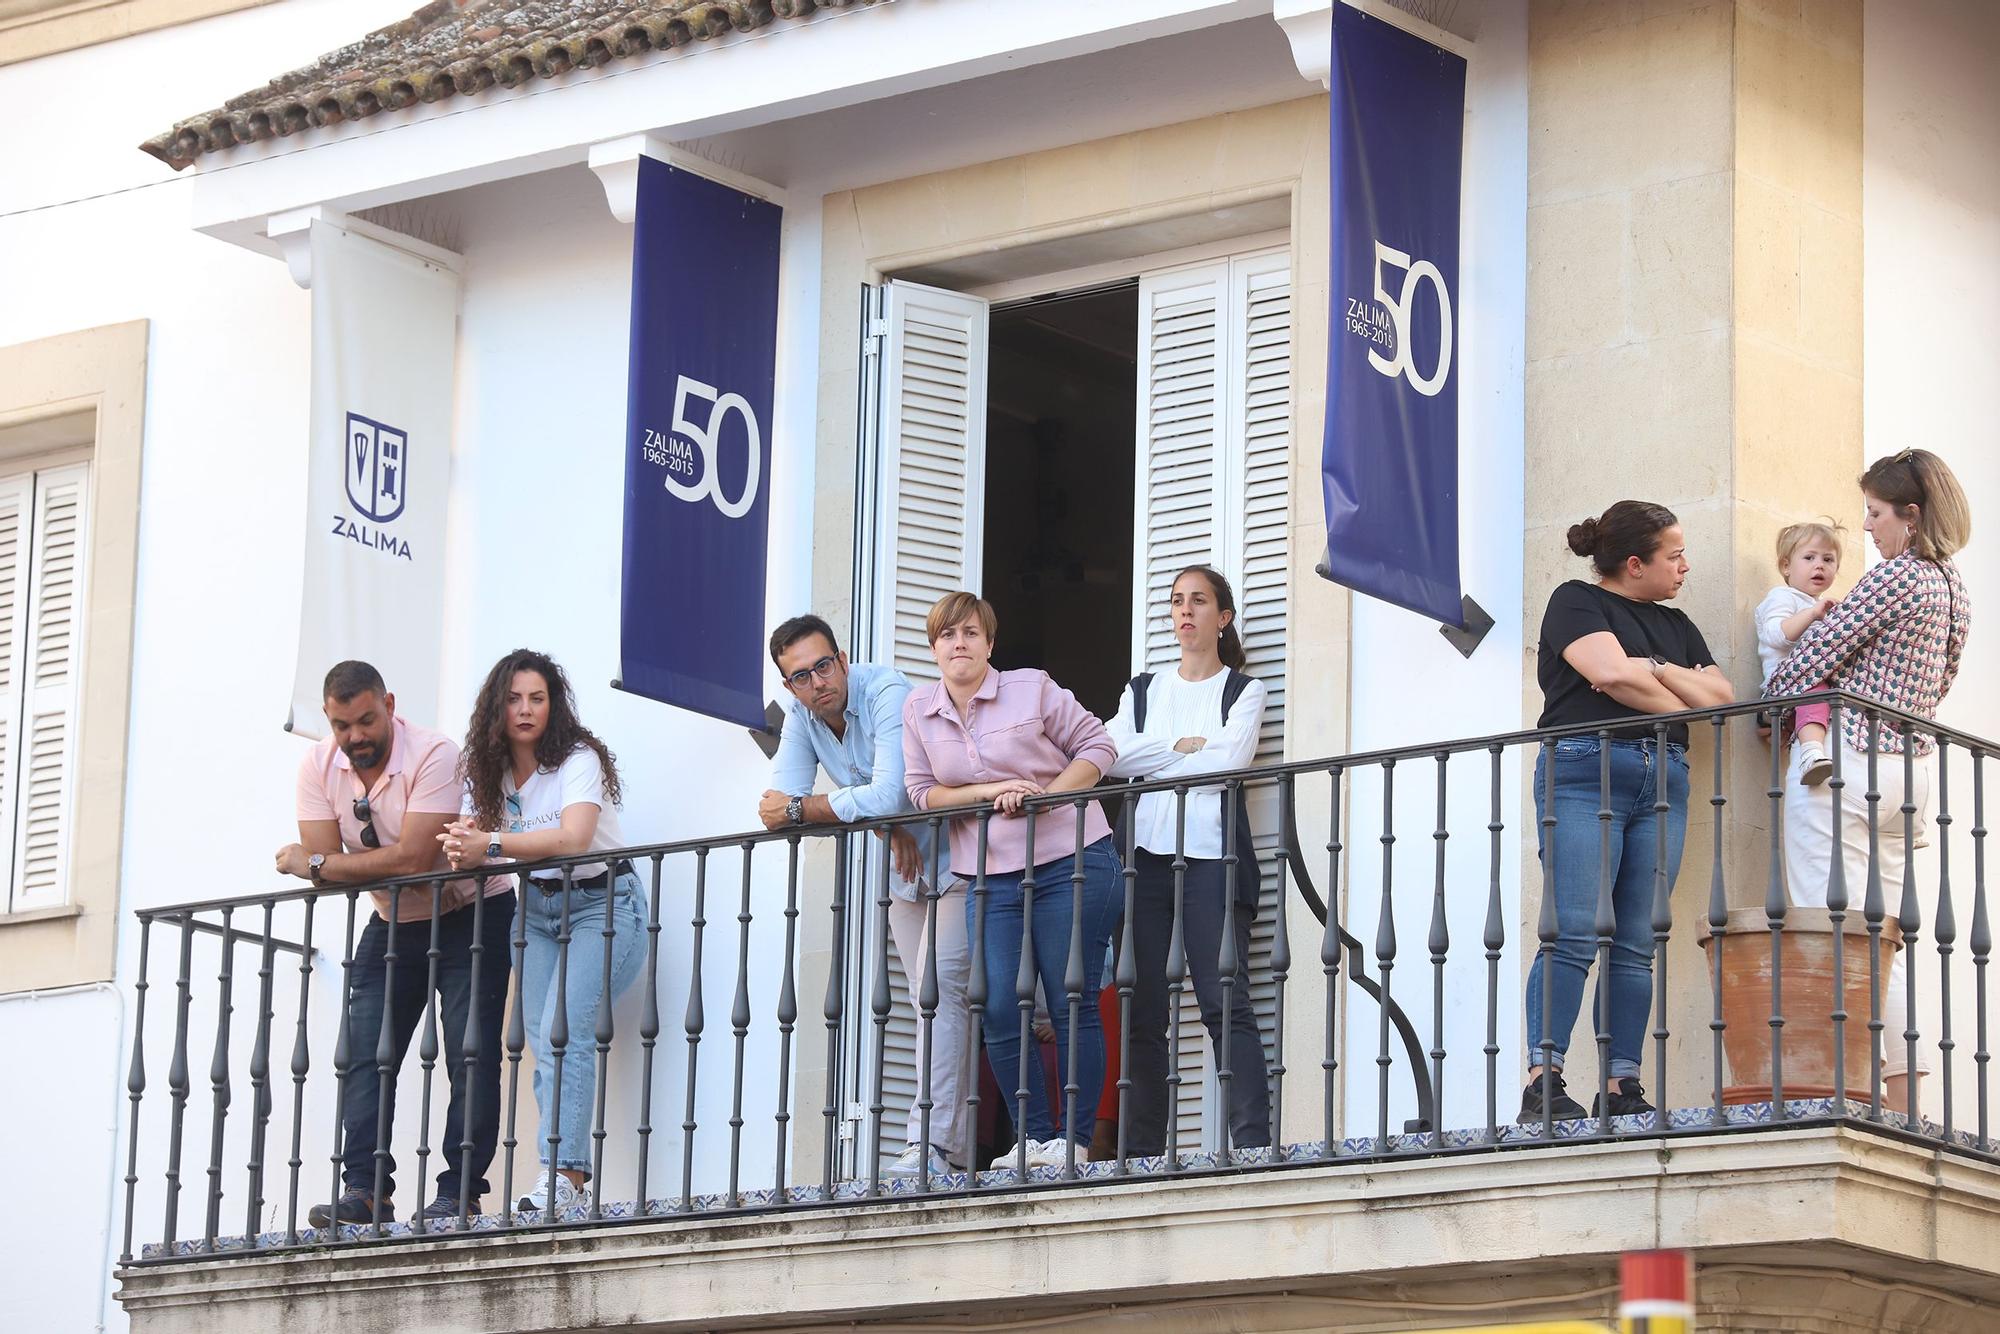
1583 537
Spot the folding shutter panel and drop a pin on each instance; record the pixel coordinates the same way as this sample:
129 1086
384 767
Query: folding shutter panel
933 459
1180 444
17 503
933 416
1214 486
1260 435
50 671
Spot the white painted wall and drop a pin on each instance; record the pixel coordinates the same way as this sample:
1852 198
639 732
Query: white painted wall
1410 686
1931 295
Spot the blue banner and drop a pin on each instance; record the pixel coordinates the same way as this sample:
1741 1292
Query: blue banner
698 445
1390 462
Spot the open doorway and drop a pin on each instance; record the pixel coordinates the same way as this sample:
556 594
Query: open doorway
1060 433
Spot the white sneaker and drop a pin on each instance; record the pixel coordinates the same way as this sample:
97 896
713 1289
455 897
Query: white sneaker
908 1163
1041 1153
567 1194
1815 766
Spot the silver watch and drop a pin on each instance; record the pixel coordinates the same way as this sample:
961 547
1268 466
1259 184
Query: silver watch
795 810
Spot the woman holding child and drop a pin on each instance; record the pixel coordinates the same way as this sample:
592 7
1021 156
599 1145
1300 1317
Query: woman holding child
1896 637
1610 650
981 735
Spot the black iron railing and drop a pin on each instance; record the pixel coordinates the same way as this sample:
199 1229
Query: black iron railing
1375 1071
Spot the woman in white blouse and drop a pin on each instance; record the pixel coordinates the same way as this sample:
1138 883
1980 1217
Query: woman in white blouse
1200 718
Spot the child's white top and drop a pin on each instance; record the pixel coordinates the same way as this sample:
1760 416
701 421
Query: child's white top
1779 604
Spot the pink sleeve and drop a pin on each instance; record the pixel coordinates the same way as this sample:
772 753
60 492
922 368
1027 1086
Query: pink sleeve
917 773
312 801
434 790
1075 729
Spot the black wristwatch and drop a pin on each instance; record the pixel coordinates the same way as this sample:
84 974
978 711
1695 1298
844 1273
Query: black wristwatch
795 810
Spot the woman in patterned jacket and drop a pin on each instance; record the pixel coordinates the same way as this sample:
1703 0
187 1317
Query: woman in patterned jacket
1897 637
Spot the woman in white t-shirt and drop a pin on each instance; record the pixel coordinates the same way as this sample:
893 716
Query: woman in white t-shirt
1198 718
539 784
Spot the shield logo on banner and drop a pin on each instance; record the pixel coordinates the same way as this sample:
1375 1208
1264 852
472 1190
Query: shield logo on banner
376 461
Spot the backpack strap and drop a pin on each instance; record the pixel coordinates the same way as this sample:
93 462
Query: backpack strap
1139 685
1232 690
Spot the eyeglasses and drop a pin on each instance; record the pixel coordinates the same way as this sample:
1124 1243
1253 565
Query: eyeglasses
362 812
819 671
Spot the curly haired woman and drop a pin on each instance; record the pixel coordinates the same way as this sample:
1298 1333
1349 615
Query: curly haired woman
538 783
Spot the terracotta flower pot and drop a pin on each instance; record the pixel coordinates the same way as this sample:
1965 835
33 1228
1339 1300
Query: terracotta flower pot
1806 953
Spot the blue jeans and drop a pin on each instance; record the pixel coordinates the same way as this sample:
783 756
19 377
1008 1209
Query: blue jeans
625 910
1050 935
1571 874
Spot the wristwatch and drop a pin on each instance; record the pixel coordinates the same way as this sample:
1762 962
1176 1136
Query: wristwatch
314 865
795 810
493 848
1659 664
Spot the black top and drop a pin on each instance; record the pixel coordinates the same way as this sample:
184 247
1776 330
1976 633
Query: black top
1577 609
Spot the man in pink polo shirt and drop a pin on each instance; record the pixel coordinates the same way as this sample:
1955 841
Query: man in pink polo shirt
372 799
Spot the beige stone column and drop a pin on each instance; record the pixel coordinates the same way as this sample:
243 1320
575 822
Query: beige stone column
1694 338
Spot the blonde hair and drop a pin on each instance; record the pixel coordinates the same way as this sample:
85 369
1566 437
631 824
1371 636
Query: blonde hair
952 608
1797 535
1917 477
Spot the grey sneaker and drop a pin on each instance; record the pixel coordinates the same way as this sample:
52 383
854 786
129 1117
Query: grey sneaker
353 1206
567 1194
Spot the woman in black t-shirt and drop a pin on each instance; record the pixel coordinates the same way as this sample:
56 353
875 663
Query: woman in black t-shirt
1609 650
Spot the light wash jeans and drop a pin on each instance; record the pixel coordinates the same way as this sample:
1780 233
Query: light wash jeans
625 907
1573 856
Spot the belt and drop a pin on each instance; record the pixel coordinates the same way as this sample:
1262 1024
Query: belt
602 880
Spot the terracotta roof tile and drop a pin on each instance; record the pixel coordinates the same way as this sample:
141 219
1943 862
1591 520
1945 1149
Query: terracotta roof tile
454 47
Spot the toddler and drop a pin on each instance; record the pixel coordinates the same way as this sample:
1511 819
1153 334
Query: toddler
1808 558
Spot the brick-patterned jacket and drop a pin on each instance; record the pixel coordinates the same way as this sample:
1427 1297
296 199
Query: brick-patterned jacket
1897 637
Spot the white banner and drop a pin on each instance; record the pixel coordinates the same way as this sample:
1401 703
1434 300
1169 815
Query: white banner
385 335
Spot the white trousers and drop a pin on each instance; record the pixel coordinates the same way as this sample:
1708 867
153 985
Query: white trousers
951 1047
1810 839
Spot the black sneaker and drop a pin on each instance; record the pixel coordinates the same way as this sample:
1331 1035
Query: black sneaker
1628 1098
353 1206
442 1209
1564 1107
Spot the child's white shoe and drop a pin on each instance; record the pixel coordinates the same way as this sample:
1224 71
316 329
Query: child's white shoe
1815 766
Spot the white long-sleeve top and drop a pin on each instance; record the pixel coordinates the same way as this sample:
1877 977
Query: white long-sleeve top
1177 708
1778 604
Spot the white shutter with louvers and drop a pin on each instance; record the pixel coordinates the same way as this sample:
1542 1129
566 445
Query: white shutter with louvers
933 452
51 669
1214 461
933 460
17 504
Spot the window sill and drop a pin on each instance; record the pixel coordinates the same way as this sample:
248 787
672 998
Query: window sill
62 913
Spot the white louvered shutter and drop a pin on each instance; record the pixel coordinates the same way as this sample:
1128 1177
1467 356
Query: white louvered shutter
933 461
1259 559
1214 460
933 452
17 504
50 672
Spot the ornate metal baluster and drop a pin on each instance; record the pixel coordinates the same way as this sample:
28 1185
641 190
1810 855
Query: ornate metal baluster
1981 942
649 1037
833 1009
1873 912
1910 919
1494 938
516 1041
558 1038
1127 976
260 1081
1440 947
927 1007
177 1084
878 1006
1385 953
1281 969
739 1028
1547 932
1226 962
1663 919
1775 906
301 1067
1944 932
218 1079
604 1033
1606 925
788 1013
343 1053
385 1067
1836 913
1024 1001
1176 982
135 1081
471 1048
428 1049
692 1025
1329 967
975 985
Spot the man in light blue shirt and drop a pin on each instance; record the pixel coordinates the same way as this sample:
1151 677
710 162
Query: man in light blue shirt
848 720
